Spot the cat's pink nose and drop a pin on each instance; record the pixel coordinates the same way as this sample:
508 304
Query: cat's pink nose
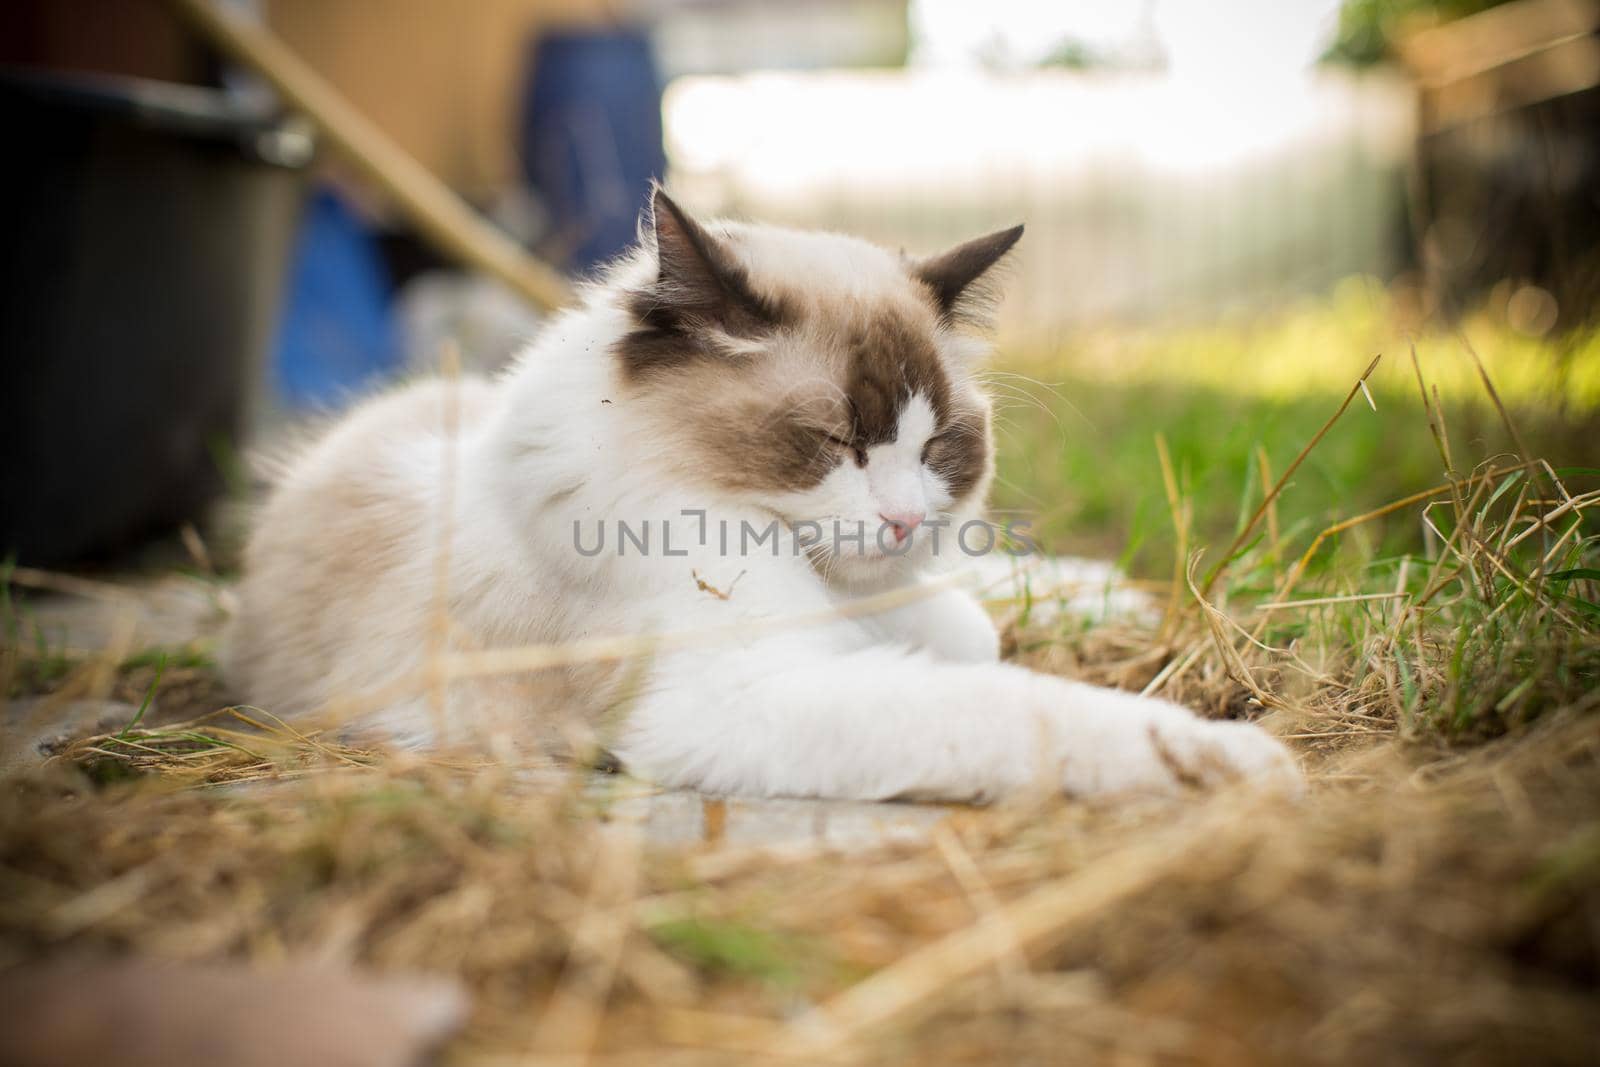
903 522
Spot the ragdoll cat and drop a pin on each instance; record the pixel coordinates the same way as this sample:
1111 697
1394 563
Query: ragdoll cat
741 431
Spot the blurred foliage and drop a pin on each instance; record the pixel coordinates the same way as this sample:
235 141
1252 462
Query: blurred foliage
1072 54
1076 426
1368 28
1320 343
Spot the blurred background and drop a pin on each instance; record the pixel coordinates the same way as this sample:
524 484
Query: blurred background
1232 206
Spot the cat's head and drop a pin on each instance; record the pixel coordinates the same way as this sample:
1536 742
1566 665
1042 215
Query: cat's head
817 376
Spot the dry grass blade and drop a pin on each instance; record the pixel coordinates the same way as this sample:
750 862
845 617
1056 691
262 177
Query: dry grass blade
1289 581
1178 508
913 985
1283 480
1219 624
572 1016
1328 601
205 750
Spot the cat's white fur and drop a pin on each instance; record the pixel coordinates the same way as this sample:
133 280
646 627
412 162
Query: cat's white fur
343 586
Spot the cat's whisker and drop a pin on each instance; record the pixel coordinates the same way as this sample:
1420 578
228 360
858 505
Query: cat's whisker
1025 399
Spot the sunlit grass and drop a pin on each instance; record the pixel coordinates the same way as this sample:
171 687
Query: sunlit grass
1310 347
1077 422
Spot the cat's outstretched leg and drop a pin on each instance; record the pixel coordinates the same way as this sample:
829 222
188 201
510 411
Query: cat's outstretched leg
879 723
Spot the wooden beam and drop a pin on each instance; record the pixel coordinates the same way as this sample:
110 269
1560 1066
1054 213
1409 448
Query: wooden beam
441 216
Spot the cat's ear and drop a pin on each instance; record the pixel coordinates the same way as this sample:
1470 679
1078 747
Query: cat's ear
697 275
952 276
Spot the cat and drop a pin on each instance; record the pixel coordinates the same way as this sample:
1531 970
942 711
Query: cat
741 447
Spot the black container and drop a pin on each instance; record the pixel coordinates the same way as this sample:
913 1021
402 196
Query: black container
148 228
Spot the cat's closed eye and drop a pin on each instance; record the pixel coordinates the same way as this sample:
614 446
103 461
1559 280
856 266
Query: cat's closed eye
857 453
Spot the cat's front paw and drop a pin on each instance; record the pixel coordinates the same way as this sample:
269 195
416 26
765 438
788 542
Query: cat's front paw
1202 754
1152 747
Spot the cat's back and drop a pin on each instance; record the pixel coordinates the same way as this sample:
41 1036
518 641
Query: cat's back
342 540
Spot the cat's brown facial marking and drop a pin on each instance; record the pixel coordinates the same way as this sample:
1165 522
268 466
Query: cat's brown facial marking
890 358
959 453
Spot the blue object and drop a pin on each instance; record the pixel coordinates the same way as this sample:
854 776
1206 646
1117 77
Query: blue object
336 337
591 138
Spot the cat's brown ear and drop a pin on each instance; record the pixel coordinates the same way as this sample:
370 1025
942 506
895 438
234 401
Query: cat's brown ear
951 276
697 276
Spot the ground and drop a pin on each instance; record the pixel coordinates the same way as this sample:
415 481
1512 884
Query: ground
1434 662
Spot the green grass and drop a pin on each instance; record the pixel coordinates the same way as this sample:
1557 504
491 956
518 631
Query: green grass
1445 616
37 659
196 655
731 947
1077 426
